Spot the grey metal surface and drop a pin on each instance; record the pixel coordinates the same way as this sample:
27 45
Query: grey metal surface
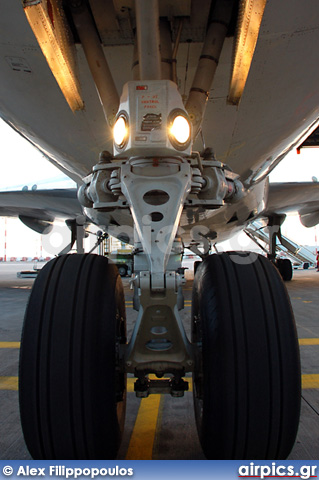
175 434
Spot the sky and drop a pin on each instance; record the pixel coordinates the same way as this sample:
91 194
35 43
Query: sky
22 165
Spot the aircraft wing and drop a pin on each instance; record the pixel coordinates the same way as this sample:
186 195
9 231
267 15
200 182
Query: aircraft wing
47 205
38 209
301 197
278 109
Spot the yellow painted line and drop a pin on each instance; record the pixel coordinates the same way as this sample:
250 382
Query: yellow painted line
144 431
302 341
130 384
308 341
143 435
310 381
11 383
8 383
307 301
9 344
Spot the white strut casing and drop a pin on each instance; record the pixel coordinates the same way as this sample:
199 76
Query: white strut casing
148 107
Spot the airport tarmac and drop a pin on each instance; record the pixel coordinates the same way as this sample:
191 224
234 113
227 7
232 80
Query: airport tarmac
159 427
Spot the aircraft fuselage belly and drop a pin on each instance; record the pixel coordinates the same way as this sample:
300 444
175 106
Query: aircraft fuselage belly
280 104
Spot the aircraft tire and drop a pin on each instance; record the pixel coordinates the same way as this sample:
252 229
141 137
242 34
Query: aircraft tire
284 266
72 397
122 270
196 265
287 271
247 381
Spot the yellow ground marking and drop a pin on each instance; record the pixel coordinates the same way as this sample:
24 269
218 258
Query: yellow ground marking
11 383
307 301
9 344
302 341
143 435
130 384
310 381
308 341
8 383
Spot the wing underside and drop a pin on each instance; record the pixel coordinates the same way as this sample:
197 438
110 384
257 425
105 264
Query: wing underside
275 113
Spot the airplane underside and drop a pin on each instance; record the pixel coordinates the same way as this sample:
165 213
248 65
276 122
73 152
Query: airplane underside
243 353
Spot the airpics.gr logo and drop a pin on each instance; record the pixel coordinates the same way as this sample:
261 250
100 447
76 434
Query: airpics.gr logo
276 471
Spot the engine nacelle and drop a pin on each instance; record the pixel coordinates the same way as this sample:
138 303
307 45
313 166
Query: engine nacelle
39 225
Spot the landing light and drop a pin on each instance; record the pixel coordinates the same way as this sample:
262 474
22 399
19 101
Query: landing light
120 131
250 17
52 33
179 131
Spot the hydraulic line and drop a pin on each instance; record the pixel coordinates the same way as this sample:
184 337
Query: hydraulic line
203 79
96 59
148 39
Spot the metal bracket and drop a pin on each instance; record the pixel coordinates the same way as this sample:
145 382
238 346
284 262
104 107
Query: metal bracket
156 192
175 387
159 343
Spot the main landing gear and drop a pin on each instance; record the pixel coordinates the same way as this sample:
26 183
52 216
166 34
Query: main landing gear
247 377
72 389
246 372
284 266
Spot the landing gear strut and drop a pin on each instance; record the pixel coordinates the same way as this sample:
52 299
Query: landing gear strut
284 265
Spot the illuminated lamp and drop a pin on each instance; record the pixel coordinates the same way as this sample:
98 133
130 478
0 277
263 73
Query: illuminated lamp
179 130
120 131
249 20
48 23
